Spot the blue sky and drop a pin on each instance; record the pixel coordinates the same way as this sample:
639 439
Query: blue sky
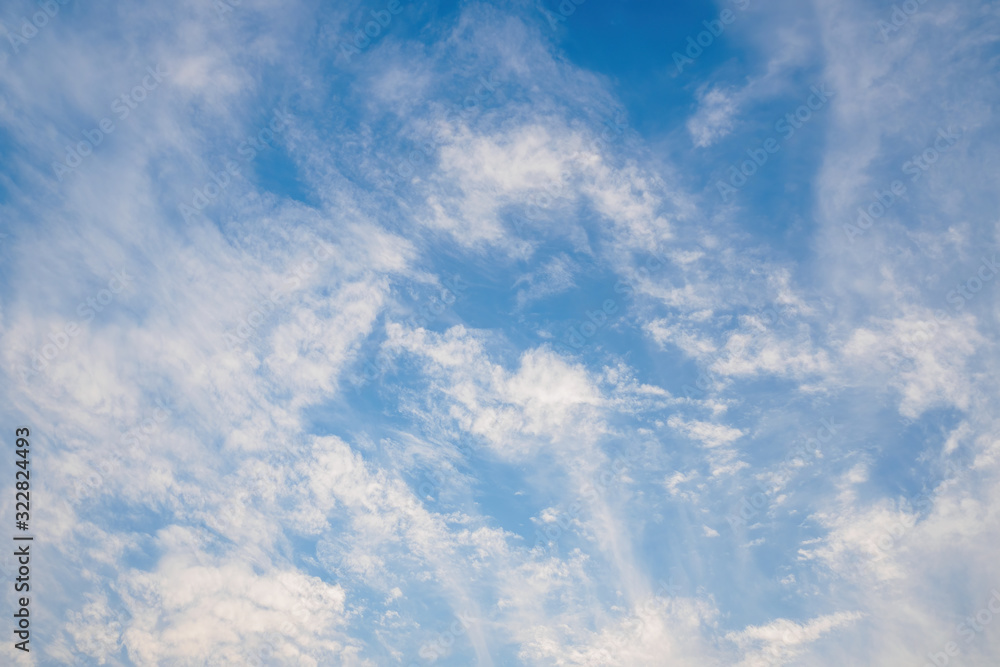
526 333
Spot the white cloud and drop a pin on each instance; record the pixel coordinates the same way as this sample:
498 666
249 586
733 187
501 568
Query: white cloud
782 641
712 435
714 117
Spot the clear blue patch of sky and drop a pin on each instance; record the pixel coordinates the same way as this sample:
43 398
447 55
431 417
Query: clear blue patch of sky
633 44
